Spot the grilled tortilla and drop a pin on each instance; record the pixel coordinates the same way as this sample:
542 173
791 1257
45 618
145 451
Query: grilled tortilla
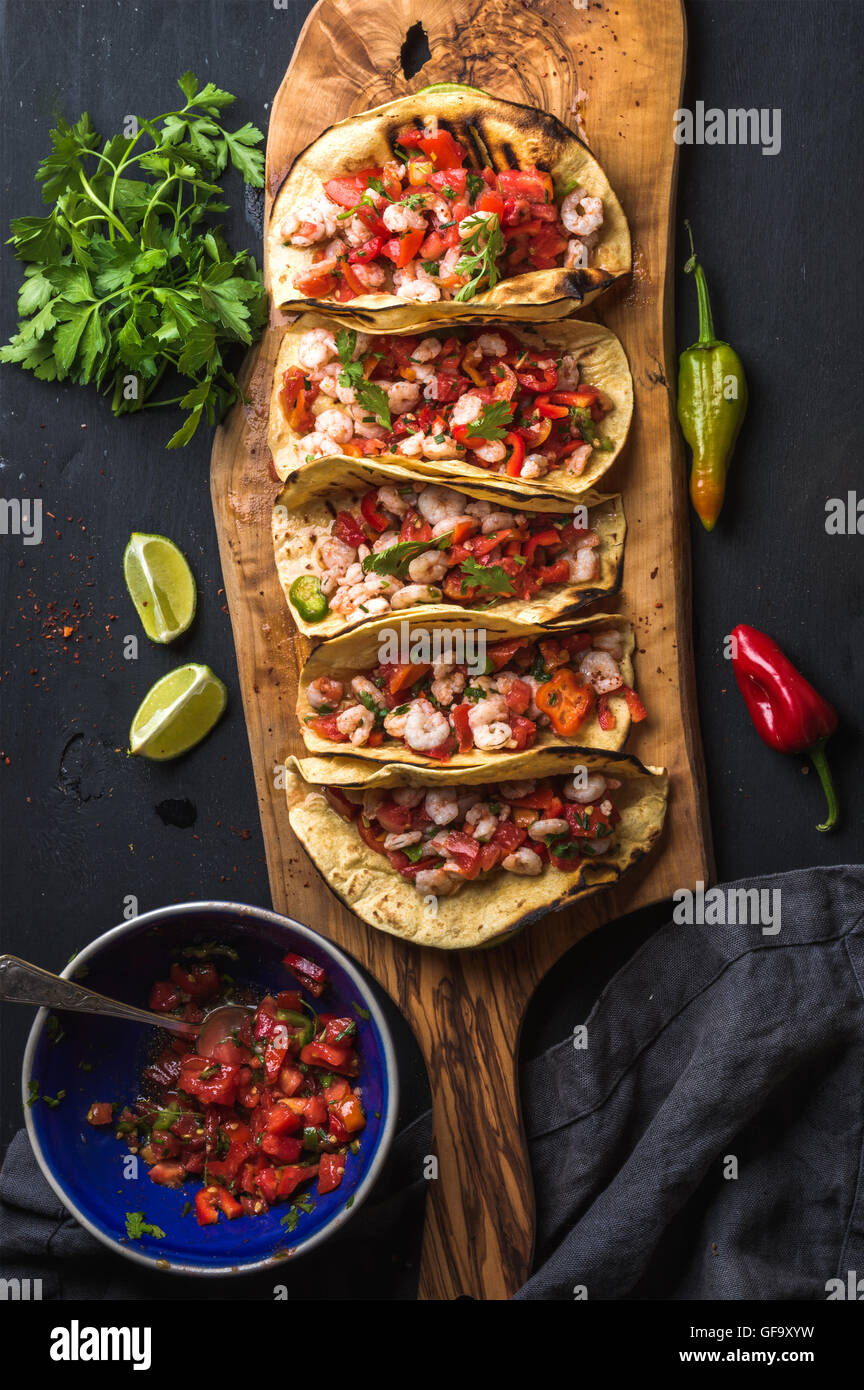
357 652
497 133
488 909
305 509
602 364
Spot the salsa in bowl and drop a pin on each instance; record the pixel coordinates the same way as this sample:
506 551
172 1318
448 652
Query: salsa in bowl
215 1173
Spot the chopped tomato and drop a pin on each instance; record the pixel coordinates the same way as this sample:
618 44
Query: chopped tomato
441 147
368 251
449 179
490 202
213 1082
461 723
524 731
331 1170
100 1113
316 285
605 716
638 712
369 507
393 817
509 836
339 801
519 696
465 851
409 244
325 725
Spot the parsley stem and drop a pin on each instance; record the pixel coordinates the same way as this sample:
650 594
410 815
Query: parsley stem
115 221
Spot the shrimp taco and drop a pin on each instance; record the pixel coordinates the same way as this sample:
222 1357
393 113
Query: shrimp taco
452 858
548 407
447 687
355 539
446 204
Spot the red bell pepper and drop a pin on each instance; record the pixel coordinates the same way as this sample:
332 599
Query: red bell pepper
787 712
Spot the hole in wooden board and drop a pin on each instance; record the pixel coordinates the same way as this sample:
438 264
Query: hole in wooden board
415 52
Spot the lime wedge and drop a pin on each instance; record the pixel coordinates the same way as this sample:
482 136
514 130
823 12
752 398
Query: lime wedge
160 584
177 712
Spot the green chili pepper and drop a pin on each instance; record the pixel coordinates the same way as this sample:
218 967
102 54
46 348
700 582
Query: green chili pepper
309 600
298 1021
712 403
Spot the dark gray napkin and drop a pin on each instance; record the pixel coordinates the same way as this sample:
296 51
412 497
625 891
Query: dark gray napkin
713 1044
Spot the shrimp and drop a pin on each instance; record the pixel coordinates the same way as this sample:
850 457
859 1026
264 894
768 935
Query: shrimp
370 275
524 861
584 565
394 724
318 444
578 252
401 395
489 723
535 466
426 350
365 425
497 521
483 823
492 345
411 283
473 222
425 727
399 217
441 528
441 447
445 688
412 447
409 837
355 231
488 450
441 806
514 791
582 214
600 846
428 567
312 222
435 883
594 787
391 499
336 556
467 409
385 541
324 691
448 276
578 459
361 685
335 423
541 828
408 796
358 722
438 504
413 594
316 348
568 373
601 669
611 642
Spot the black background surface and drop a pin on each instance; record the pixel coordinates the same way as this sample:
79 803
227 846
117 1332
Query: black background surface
779 237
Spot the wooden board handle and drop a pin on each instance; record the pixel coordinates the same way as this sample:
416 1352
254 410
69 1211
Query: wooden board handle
479 1233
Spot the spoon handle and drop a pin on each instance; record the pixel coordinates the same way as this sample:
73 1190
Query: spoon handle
23 983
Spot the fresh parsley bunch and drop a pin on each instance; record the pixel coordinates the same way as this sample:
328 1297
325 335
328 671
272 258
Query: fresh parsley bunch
127 278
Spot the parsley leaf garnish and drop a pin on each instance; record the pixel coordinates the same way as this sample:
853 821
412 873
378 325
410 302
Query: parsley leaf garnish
490 577
493 422
136 1227
127 278
373 398
396 558
482 247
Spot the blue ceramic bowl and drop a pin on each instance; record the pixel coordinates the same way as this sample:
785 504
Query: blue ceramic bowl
86 1166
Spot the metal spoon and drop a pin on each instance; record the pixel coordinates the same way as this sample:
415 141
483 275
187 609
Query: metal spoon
23 983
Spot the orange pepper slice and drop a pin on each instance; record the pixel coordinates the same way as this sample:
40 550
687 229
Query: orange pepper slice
566 699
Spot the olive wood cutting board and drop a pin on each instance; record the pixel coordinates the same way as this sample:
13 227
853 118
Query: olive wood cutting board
620 63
